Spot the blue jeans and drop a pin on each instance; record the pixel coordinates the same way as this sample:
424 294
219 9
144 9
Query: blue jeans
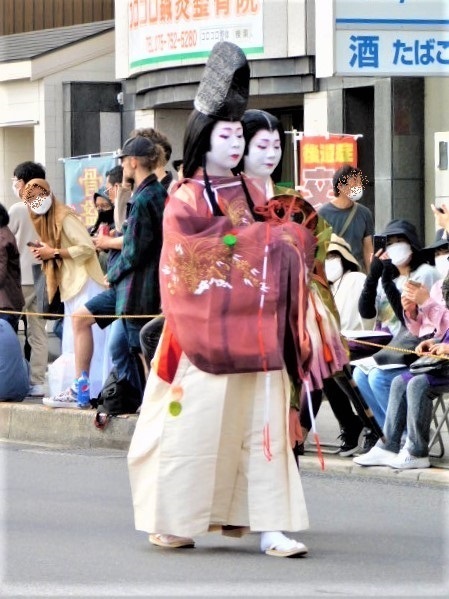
125 362
375 388
410 408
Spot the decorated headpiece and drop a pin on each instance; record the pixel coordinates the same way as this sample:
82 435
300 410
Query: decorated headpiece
224 88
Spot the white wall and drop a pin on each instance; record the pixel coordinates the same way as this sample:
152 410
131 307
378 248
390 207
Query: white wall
16 145
436 118
42 101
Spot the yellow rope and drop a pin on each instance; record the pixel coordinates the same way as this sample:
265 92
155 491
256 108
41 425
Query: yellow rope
49 315
398 349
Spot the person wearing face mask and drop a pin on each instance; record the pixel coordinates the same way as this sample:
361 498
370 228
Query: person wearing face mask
36 339
349 219
402 260
69 262
105 218
409 410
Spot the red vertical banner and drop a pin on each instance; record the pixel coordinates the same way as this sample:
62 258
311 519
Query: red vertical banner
319 158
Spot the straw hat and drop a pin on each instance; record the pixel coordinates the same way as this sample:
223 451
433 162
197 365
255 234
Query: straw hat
338 244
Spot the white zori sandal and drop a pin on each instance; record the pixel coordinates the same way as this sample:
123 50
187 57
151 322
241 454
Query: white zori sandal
171 541
278 545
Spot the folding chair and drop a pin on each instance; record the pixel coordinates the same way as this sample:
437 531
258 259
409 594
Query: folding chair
440 417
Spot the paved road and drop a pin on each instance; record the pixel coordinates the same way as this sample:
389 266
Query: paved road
68 531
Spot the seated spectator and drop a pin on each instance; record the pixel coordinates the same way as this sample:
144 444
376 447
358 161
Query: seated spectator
402 260
409 407
14 371
11 296
346 284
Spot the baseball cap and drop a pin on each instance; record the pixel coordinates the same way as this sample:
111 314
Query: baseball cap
136 146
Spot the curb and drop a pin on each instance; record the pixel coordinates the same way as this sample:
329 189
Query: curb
67 428
434 476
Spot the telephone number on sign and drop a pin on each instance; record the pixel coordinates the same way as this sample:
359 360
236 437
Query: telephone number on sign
172 41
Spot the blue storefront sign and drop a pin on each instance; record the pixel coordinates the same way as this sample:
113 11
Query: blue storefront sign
386 38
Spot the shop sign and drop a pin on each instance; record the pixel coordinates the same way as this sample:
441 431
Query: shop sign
319 158
387 38
162 32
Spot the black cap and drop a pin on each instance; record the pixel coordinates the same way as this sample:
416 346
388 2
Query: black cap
439 244
136 146
224 88
405 228
102 193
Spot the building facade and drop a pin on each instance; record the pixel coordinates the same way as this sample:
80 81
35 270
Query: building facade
58 90
160 54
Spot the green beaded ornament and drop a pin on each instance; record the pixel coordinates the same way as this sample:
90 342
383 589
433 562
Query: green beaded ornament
230 239
174 408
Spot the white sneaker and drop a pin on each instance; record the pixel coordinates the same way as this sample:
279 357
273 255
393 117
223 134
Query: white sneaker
376 456
406 461
65 399
36 391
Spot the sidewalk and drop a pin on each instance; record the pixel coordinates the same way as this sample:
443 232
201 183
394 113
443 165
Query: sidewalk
32 422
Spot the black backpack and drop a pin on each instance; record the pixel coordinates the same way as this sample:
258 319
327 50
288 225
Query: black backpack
117 397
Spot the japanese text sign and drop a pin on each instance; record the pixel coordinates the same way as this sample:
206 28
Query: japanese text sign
164 31
83 177
388 37
319 158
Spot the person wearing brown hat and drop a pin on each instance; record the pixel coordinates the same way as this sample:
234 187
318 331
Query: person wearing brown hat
213 426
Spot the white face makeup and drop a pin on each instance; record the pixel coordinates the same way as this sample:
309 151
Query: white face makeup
226 148
264 154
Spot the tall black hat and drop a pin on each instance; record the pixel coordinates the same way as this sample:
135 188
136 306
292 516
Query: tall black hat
224 88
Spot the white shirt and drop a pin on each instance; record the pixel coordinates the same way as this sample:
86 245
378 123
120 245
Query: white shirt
346 292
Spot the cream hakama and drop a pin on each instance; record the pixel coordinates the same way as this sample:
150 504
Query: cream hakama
206 466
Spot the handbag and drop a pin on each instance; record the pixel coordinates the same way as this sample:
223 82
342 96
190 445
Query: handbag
56 306
430 365
403 339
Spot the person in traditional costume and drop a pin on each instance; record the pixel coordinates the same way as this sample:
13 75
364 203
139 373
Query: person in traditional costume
211 449
264 145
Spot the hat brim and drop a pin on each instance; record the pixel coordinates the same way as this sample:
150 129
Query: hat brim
336 247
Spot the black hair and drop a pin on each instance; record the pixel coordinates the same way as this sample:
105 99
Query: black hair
28 170
4 217
115 175
196 141
259 120
342 175
177 164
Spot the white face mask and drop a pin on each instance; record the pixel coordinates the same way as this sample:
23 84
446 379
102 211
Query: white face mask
442 264
264 154
399 253
15 189
333 269
41 205
356 193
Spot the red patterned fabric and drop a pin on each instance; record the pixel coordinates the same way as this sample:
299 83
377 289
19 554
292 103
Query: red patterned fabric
233 290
